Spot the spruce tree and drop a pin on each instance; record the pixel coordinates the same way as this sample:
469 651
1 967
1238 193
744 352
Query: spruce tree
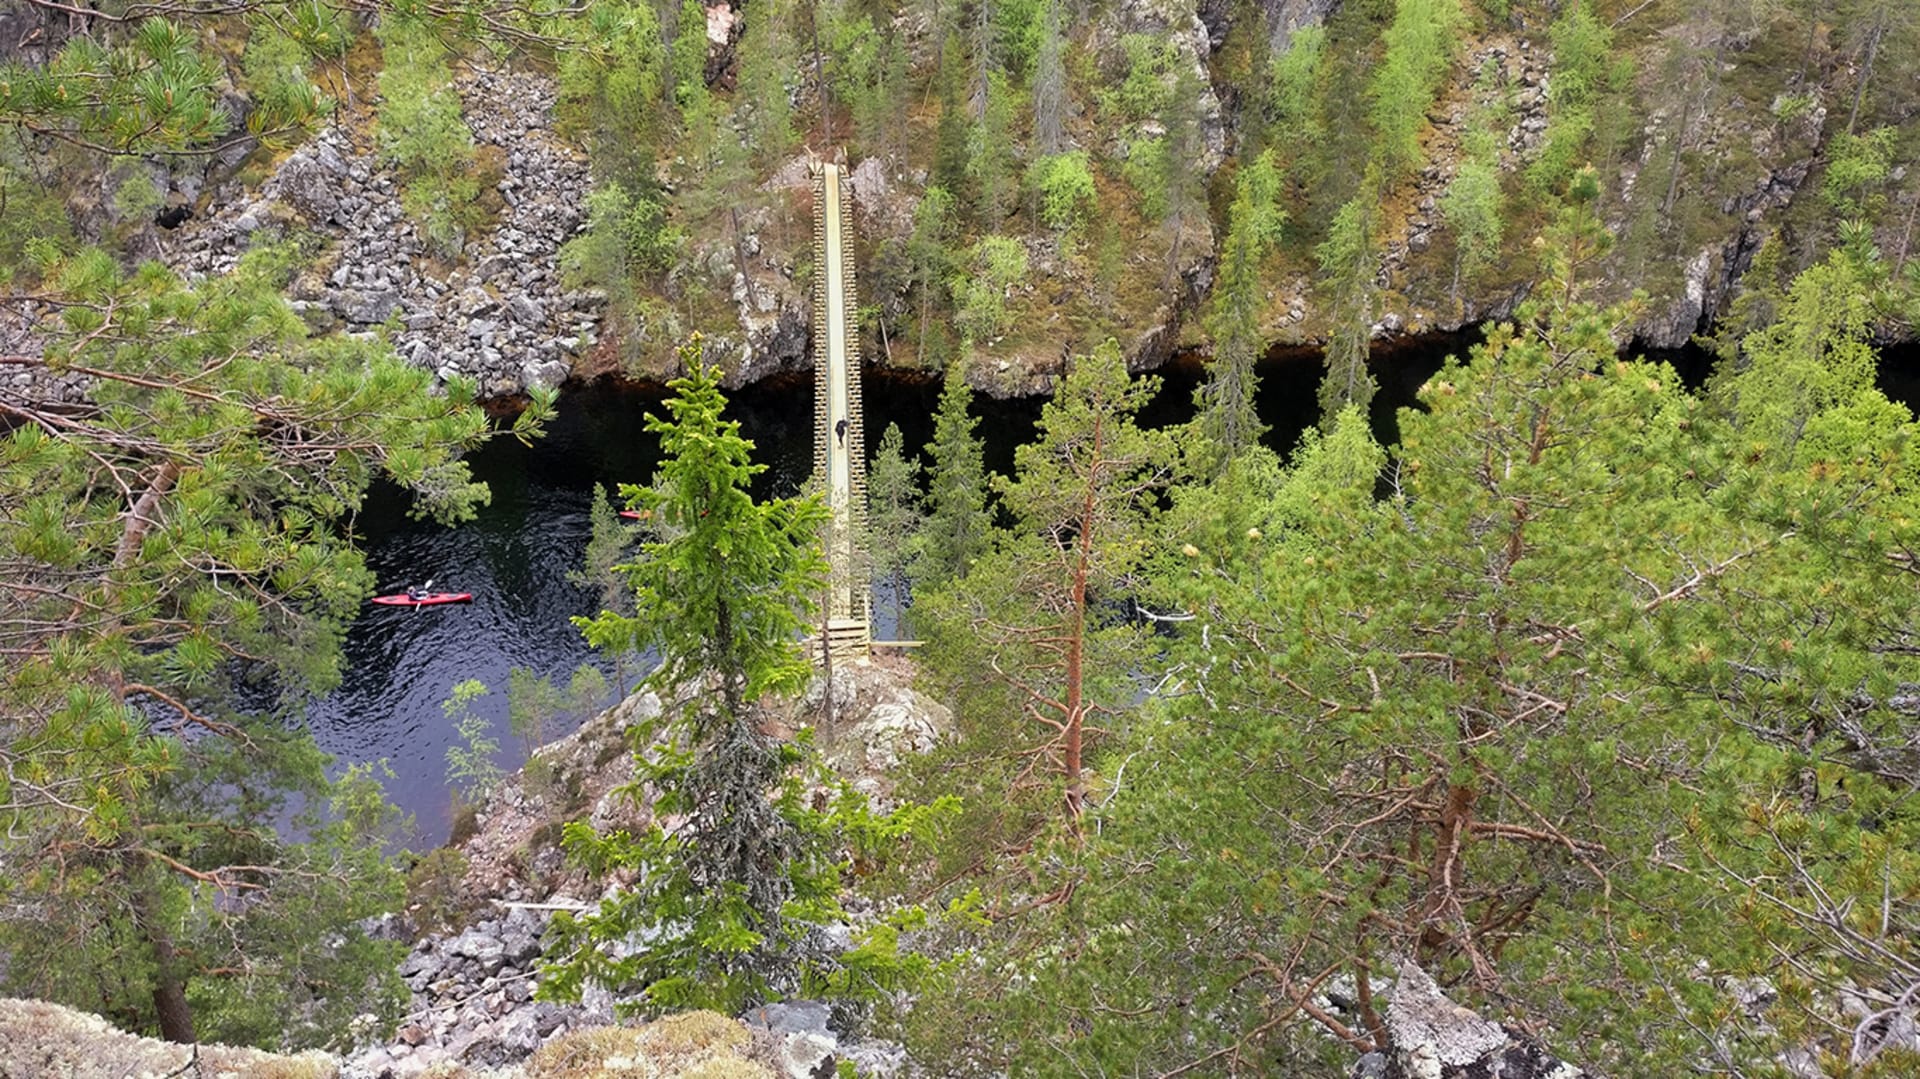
893 512
735 872
958 523
1348 262
1228 419
768 59
1050 83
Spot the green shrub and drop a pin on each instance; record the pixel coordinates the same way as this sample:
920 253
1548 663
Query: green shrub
1145 170
471 770
138 195
420 132
436 889
627 242
1064 183
1857 167
994 265
31 214
286 105
1145 88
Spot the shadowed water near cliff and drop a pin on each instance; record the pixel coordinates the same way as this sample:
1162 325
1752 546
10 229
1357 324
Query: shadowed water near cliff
401 663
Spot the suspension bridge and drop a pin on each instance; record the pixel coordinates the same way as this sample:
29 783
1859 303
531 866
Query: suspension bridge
839 440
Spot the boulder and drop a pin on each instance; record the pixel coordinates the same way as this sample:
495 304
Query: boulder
544 376
1431 1037
308 187
368 307
508 1041
792 1017
807 1056
482 947
526 312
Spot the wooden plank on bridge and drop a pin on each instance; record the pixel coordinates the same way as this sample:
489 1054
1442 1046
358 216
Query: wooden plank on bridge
839 426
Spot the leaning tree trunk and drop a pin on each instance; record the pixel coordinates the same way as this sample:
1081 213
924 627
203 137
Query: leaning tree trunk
170 1004
1866 74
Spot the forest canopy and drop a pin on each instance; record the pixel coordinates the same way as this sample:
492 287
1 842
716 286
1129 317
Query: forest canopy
1585 686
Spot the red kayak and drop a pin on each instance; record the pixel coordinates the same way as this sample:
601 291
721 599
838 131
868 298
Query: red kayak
427 600
633 515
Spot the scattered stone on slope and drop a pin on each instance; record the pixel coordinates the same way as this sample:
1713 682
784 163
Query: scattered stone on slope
473 987
503 291
879 720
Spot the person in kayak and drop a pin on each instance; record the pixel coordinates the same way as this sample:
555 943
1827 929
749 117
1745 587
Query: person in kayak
416 592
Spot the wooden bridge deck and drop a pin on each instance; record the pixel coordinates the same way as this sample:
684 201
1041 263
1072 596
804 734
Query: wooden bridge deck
839 428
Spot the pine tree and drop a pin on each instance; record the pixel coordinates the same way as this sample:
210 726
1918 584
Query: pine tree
1081 499
178 538
1388 732
153 91
599 571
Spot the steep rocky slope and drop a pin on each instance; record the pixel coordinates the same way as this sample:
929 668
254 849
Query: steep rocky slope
1710 171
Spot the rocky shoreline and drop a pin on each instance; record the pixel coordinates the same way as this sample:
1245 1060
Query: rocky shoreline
473 981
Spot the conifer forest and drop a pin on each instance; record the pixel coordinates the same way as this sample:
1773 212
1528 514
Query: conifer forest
1393 530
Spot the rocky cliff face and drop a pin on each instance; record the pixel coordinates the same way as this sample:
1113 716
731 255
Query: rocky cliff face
1713 168
497 314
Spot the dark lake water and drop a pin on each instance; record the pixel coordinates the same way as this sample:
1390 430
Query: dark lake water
401 663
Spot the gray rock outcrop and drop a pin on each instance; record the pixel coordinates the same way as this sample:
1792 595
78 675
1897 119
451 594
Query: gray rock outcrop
497 313
1431 1037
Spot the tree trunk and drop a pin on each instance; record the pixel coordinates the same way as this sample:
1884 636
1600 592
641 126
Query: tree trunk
169 988
826 660
1866 72
1906 236
1071 738
1813 38
170 996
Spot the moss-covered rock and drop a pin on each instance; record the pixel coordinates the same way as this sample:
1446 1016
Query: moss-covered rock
39 1040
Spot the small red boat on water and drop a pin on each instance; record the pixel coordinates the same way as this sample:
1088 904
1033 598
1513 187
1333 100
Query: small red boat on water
428 600
634 515
423 596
